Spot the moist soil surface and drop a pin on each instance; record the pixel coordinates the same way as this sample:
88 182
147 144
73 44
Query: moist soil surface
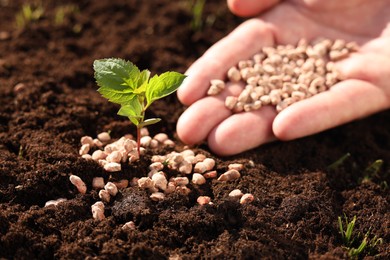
49 101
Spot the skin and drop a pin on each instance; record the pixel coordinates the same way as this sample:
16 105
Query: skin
365 90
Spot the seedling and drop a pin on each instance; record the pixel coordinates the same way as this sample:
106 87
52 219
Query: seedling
121 82
197 13
339 162
373 169
349 240
63 11
29 13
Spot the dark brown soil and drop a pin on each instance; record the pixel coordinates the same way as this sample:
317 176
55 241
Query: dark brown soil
297 197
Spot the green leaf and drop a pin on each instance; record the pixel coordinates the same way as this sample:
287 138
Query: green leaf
133 111
143 78
150 121
117 79
163 85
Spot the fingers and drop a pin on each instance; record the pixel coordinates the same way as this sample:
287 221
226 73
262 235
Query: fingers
368 67
200 118
242 43
247 8
346 101
242 131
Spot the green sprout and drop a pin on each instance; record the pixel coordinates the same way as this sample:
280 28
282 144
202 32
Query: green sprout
29 13
197 13
121 82
349 241
373 169
64 11
339 162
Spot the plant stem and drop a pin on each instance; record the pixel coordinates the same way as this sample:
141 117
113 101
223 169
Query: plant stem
138 141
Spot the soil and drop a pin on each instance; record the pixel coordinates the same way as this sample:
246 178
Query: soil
298 198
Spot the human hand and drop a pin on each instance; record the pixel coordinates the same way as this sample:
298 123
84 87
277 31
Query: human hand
365 90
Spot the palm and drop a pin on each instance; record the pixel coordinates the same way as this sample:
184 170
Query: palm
286 23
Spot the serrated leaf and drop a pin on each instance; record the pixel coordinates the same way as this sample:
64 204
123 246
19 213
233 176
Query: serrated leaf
116 78
163 85
133 111
150 121
143 78
117 96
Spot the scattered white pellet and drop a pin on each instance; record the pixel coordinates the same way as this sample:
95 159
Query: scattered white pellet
114 157
156 166
153 144
105 196
97 143
210 163
185 167
161 137
210 174
87 140
54 202
234 74
181 181
111 188
112 167
247 198
104 137
230 175
84 149
198 179
157 196
213 90
251 163
203 200
236 193
145 183
133 156
171 187
160 181
144 131
98 155
159 158
102 162
129 145
145 141
129 225
98 211
98 183
187 152
200 157
230 102
78 182
19 87
86 156
200 167
236 166
169 143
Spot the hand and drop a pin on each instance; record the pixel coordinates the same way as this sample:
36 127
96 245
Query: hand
365 90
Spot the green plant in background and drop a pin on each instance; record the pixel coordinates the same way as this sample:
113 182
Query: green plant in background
121 82
197 7
29 13
372 173
339 162
350 240
63 11
373 169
